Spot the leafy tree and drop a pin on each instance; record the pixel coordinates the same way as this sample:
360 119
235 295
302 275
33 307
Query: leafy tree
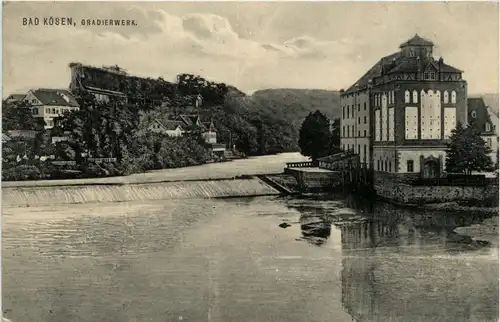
335 138
315 137
467 151
18 116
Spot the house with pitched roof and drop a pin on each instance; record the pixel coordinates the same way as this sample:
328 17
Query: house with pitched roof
170 128
480 118
190 122
398 116
50 103
14 98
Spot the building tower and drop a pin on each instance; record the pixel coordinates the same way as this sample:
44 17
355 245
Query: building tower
413 102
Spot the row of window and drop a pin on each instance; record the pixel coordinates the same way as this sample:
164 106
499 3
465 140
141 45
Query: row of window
33 101
384 166
348 110
347 147
54 110
387 165
101 97
351 133
446 96
378 98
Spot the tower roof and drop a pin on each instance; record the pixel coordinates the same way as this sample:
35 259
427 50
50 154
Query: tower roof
417 41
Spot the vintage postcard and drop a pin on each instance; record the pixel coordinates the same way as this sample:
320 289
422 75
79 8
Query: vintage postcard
250 161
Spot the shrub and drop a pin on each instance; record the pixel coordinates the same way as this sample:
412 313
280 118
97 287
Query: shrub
92 170
21 172
112 169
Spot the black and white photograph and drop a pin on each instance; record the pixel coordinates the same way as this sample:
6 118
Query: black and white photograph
302 161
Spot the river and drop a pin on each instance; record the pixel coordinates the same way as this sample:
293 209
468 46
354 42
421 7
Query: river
333 258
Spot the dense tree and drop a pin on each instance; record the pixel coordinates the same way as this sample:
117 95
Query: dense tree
315 136
335 138
467 151
18 116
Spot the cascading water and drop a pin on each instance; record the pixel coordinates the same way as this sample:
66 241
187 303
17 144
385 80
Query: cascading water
40 196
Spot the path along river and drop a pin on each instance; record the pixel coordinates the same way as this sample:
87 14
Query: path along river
199 259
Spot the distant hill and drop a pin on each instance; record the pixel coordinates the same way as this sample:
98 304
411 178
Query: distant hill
268 121
295 104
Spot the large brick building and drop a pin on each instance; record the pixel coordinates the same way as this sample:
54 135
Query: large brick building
398 115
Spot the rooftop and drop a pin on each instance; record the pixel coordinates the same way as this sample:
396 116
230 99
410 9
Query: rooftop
399 62
57 97
417 41
478 115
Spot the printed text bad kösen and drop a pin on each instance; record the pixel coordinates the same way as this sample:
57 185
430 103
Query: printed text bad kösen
69 21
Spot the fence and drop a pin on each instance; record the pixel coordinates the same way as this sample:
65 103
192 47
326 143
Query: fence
95 160
305 164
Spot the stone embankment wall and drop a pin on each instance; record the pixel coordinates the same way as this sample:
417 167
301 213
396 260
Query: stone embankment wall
315 181
45 196
397 188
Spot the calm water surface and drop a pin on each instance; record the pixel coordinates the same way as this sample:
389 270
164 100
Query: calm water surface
229 260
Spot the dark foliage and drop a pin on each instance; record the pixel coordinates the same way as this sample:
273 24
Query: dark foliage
467 151
264 123
316 138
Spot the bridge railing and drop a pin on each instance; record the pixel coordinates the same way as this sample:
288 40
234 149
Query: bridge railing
305 164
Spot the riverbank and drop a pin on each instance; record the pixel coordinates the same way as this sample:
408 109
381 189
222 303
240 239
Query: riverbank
262 165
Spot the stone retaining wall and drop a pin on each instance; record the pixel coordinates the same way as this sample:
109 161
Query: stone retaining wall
396 188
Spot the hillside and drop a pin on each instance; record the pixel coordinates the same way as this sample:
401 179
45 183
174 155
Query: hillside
268 121
295 104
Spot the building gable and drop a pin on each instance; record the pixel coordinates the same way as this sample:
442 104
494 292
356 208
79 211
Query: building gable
156 125
31 99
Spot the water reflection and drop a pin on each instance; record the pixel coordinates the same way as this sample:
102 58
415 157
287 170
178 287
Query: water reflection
401 264
315 229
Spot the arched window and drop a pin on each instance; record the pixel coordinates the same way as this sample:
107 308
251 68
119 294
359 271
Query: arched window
343 112
438 94
347 111
487 127
415 96
352 130
473 114
348 133
385 164
343 131
445 97
407 96
453 97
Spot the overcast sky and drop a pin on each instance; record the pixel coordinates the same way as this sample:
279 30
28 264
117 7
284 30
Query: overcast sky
250 45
